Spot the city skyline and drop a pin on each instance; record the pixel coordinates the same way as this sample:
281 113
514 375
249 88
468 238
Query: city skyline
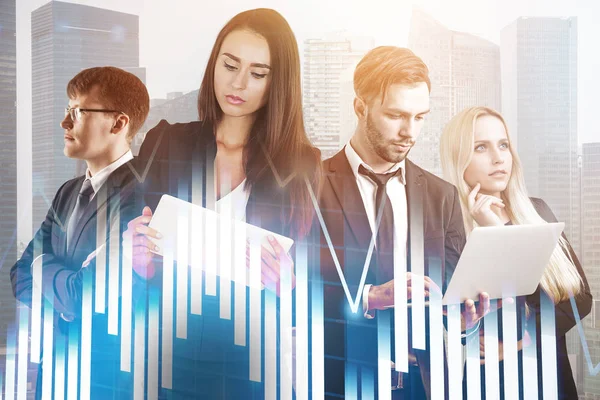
555 177
591 258
464 70
8 158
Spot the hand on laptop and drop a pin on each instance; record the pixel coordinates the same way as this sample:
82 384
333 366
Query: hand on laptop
136 238
273 265
472 312
382 296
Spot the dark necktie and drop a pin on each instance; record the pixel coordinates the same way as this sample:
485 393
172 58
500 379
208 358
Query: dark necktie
385 233
83 199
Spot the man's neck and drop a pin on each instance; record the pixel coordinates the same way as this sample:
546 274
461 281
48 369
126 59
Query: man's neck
95 166
377 164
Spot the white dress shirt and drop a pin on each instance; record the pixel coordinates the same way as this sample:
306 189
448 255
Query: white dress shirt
234 203
101 176
396 191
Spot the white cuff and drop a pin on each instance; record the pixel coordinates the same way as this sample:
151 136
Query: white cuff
365 302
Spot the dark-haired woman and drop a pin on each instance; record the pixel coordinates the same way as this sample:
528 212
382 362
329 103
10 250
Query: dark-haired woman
250 151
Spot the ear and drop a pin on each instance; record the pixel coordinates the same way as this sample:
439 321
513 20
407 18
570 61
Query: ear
360 108
121 124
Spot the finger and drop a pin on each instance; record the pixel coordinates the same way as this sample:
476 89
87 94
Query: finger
432 287
276 246
470 310
141 240
497 203
472 194
146 230
142 219
268 267
147 211
140 250
484 304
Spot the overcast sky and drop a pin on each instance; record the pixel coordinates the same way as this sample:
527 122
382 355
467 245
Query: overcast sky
176 37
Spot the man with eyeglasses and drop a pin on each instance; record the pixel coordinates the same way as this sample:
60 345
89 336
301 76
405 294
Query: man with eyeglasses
107 106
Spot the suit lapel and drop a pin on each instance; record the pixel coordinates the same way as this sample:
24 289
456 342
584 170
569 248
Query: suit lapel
343 182
116 182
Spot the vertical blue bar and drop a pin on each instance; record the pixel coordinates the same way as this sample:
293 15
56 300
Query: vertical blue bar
473 368
11 350
36 308
241 272
182 248
367 378
114 269
455 353
59 368
86 337
197 264
509 347
301 321
548 337
73 363
492 373
126 308
285 331
436 336
384 359
255 313
530 366
153 334
101 254
23 352
47 368
139 351
197 238
210 254
417 267
400 311
224 250
318 340
351 381
270 345
167 319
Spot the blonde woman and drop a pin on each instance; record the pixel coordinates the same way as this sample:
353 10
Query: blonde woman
477 157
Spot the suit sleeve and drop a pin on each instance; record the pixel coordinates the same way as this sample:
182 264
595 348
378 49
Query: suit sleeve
565 316
455 238
60 283
67 283
39 247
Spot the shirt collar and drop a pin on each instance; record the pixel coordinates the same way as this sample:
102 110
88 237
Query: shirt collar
101 176
355 162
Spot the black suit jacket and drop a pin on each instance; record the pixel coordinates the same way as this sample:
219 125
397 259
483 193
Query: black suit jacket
62 272
178 159
435 220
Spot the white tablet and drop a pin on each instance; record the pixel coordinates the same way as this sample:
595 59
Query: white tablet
504 261
208 240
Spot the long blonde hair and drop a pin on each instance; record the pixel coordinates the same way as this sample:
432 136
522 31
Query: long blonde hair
560 278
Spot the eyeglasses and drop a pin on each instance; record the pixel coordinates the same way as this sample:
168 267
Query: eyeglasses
75 112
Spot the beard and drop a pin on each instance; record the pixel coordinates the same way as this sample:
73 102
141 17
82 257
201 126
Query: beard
382 147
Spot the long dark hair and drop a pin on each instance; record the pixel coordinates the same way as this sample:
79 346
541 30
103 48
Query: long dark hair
278 132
